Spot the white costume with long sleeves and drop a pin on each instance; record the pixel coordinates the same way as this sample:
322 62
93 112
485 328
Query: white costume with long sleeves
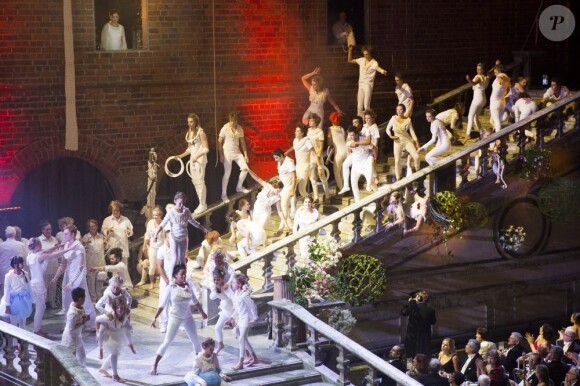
362 164
75 276
440 139
150 232
181 300
178 232
402 128
113 38
523 108
245 313
477 104
287 174
267 197
497 103
118 231
302 150
50 270
366 80
305 217
404 95
196 148
253 235
72 334
95 247
37 287
113 335
226 310
233 153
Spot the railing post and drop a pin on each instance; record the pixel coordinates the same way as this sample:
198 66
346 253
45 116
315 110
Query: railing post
312 346
24 360
371 377
291 332
357 227
9 353
343 366
267 272
277 328
521 141
560 124
40 365
540 130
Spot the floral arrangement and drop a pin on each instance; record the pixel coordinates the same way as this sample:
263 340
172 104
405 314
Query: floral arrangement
535 163
361 279
559 200
314 279
341 320
512 238
450 207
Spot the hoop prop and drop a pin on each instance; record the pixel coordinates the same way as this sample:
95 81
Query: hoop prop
181 168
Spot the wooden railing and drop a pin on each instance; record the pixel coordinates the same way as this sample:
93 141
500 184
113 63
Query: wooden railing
438 175
54 365
288 318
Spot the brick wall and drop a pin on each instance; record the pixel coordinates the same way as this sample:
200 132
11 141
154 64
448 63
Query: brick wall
128 102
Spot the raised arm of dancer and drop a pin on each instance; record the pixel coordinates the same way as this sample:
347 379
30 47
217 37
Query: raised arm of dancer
305 78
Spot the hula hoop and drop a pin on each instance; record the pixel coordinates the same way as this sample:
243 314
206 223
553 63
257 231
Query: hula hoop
188 169
169 173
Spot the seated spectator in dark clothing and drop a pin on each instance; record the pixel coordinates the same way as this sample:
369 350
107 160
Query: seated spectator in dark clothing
531 379
433 378
556 366
543 375
516 350
419 366
495 370
456 379
396 360
472 366
573 377
483 380
570 345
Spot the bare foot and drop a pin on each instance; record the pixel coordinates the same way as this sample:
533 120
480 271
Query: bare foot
253 360
105 373
220 346
153 370
239 366
152 286
117 378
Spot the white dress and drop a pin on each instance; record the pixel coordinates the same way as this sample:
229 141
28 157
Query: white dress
339 143
37 270
303 218
113 38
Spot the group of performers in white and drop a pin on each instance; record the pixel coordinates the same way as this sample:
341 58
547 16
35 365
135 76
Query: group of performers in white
354 154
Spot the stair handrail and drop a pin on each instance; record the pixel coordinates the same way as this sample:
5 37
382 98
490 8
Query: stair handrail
53 361
343 342
467 86
267 253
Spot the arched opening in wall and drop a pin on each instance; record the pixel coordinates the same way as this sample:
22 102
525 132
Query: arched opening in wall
62 187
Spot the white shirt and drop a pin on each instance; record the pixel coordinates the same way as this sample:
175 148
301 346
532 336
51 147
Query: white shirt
121 230
467 362
103 305
178 222
51 265
95 247
367 70
120 269
8 250
151 231
36 268
231 139
285 170
404 93
549 95
14 283
181 299
76 269
167 260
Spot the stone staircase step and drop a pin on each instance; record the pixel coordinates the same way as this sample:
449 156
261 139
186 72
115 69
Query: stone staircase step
286 378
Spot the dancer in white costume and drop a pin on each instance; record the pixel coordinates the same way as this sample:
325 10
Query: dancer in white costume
165 264
197 149
116 267
400 130
37 261
439 138
368 68
316 136
555 92
302 147
337 146
232 148
497 101
75 272
114 291
404 93
94 243
72 335
16 303
318 95
211 242
48 241
268 196
113 34
362 161
178 217
180 295
245 314
287 175
418 212
252 234
117 230
523 108
453 121
393 212
516 92
479 83
221 290
306 215
217 260
151 247
113 333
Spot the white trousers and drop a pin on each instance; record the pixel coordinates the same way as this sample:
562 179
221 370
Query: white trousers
228 160
178 249
361 168
346 170
198 179
398 146
152 252
243 342
363 98
173 326
477 104
497 113
219 327
440 149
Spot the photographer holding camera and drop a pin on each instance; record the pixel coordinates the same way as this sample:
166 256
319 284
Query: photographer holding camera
420 319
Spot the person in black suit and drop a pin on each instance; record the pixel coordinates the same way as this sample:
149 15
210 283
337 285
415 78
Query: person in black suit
396 360
556 366
420 319
515 351
573 377
570 345
433 378
534 359
472 367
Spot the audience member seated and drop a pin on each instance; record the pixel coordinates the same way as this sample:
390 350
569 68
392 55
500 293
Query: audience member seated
419 366
555 92
481 334
570 346
516 350
433 378
495 370
529 378
448 356
556 366
546 337
573 377
483 380
543 376
457 379
395 360
473 365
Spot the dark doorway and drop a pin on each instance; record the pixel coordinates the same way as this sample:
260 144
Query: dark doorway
62 187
